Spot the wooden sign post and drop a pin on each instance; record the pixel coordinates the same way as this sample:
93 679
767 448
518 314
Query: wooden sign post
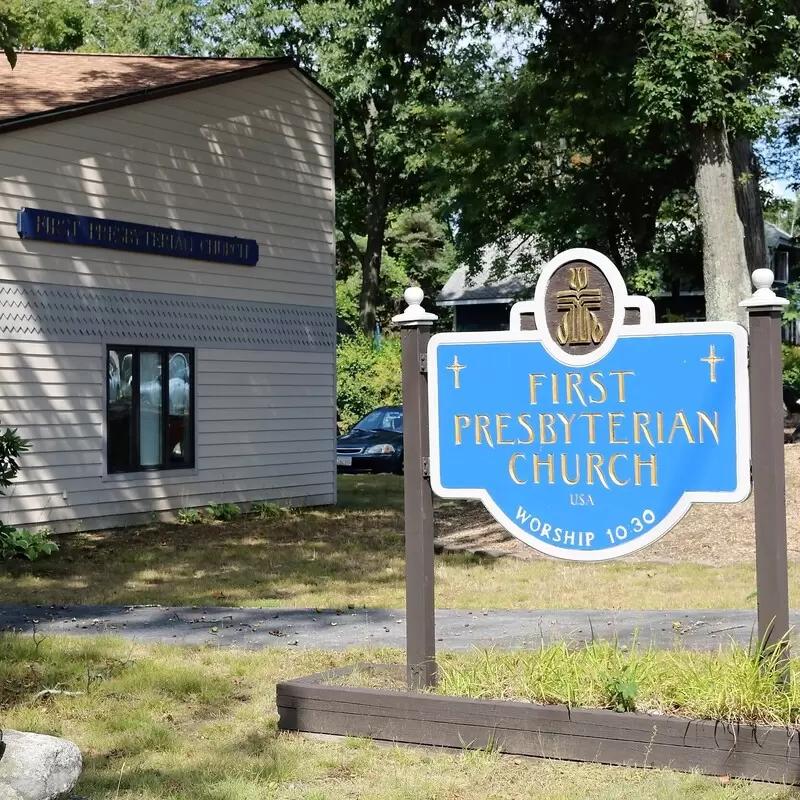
769 474
587 430
591 434
416 326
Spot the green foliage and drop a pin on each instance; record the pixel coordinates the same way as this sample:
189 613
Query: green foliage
267 510
366 377
696 66
791 365
12 445
395 69
136 26
13 542
223 512
733 685
584 169
784 213
25 544
55 25
622 688
10 33
190 516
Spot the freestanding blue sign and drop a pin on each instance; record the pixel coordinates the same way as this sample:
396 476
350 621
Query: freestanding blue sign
588 430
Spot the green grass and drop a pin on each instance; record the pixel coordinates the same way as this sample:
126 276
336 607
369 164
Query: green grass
349 555
731 685
170 723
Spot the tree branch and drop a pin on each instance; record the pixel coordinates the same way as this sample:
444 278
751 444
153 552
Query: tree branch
355 154
352 246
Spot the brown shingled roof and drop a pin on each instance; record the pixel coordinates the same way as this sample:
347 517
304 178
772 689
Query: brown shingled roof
48 86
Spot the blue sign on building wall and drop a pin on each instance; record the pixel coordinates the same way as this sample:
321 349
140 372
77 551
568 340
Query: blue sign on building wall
591 435
55 226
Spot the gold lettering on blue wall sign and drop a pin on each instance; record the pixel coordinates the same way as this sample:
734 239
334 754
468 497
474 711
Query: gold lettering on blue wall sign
580 324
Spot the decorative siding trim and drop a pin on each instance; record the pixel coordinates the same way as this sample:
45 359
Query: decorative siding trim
31 311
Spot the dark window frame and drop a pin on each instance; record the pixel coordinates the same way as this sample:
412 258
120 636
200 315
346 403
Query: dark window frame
164 466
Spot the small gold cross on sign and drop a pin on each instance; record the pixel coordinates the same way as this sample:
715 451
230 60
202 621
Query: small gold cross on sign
712 359
456 367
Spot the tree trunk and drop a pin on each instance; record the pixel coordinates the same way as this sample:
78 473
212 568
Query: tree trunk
748 202
725 273
371 273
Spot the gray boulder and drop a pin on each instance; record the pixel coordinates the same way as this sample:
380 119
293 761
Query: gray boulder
37 767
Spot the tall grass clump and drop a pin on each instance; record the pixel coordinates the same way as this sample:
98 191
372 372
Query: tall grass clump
733 684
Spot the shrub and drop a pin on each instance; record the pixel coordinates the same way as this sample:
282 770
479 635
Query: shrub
13 542
366 377
223 512
265 510
26 544
791 365
190 516
12 445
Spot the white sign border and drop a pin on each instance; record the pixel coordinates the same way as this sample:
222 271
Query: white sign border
742 425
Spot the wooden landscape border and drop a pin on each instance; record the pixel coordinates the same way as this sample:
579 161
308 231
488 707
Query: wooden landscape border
313 705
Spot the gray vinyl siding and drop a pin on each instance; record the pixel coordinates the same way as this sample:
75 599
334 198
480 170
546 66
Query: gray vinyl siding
252 159
196 161
252 445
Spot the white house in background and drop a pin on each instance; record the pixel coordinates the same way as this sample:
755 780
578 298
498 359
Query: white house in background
167 286
482 301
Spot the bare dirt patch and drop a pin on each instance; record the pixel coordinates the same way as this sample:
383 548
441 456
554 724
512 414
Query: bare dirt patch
714 534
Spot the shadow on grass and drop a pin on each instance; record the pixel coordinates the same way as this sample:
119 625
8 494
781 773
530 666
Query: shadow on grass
352 554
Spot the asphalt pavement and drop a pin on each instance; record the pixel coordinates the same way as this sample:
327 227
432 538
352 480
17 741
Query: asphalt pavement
318 629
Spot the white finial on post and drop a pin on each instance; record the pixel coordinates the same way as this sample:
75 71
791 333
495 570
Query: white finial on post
763 296
415 314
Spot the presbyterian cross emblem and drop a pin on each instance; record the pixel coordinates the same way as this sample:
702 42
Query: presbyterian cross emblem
580 324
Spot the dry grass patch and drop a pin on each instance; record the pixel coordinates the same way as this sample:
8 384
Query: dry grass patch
353 555
162 723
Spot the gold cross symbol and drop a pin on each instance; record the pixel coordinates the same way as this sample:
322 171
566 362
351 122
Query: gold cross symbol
713 360
456 367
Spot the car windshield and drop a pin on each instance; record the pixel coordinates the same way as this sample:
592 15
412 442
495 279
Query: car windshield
389 419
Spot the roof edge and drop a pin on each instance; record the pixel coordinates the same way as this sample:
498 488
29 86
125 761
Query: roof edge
143 95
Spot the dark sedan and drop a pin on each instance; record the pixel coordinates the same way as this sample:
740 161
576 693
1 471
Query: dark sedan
373 444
